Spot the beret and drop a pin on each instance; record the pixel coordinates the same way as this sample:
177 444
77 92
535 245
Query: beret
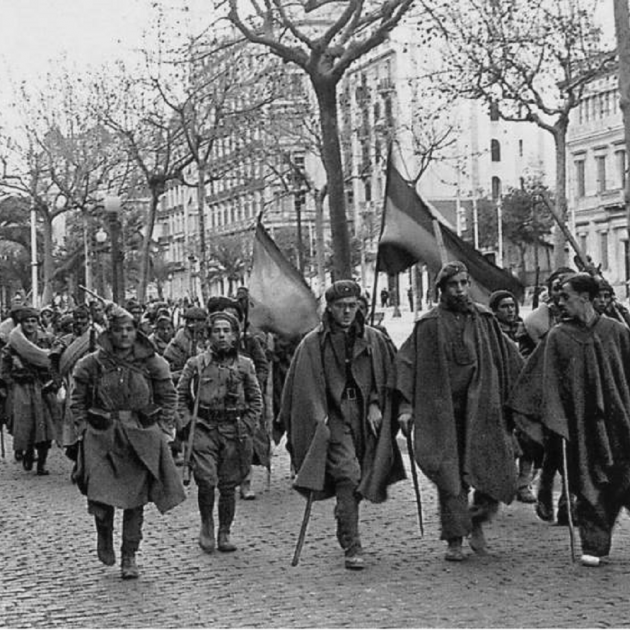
604 285
497 296
195 312
342 289
217 315
221 302
449 270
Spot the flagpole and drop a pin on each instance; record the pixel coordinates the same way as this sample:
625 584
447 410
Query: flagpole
375 285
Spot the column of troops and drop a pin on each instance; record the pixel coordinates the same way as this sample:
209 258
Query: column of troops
492 406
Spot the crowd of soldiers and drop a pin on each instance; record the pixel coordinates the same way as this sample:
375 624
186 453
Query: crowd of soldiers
492 405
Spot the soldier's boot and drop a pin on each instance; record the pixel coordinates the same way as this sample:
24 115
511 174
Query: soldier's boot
347 514
562 517
131 537
105 535
205 500
42 456
477 539
454 551
28 458
524 492
246 487
227 507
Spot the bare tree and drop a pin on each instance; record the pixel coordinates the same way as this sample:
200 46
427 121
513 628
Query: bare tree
60 158
150 137
221 88
323 39
529 60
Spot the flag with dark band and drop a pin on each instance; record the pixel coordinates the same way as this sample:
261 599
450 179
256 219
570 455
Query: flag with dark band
280 301
408 237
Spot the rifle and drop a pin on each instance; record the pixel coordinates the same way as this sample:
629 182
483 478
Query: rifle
191 437
93 294
536 289
416 484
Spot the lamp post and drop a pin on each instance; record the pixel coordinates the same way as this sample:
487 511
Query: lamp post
101 238
112 209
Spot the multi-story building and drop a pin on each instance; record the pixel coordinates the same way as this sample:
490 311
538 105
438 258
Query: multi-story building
597 171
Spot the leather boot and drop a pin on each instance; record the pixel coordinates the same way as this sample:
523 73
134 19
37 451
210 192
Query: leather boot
131 537
42 456
205 500
347 514
27 459
227 507
128 567
454 552
246 487
105 537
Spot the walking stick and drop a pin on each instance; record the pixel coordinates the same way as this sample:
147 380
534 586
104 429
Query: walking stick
191 437
302 536
565 483
2 440
416 484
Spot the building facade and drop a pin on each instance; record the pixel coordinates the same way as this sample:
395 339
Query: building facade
597 171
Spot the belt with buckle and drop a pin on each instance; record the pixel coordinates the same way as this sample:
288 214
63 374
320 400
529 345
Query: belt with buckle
350 393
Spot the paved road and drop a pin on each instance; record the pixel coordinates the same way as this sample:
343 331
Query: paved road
51 577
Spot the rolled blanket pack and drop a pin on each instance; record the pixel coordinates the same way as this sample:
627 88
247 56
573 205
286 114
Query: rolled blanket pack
28 350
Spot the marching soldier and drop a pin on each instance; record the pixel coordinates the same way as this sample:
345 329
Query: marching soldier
229 407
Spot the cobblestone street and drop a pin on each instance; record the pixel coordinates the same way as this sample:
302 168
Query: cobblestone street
51 576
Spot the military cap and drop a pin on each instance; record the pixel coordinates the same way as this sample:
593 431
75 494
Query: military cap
449 270
342 289
195 312
225 316
497 296
26 312
81 311
604 285
117 313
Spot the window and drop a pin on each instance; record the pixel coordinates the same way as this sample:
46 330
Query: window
600 161
603 249
495 150
496 188
583 242
494 111
580 179
368 189
620 159
520 148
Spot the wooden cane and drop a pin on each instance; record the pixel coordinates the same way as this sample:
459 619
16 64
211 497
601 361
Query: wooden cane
302 536
565 483
186 472
416 483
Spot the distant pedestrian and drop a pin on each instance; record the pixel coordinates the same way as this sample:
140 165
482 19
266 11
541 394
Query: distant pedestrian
338 376
124 405
384 297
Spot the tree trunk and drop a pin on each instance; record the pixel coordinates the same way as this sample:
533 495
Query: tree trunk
201 206
49 267
145 258
622 29
320 195
560 240
326 92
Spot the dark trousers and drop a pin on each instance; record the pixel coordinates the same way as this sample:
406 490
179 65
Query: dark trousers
598 519
132 524
457 517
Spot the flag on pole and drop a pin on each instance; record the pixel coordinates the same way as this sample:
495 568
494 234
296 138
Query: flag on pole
280 301
408 237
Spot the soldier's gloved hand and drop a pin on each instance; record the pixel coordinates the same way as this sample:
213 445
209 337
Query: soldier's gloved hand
374 418
406 422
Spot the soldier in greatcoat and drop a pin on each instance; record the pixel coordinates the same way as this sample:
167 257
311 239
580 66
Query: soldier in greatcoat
229 408
338 376
32 408
453 376
123 404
